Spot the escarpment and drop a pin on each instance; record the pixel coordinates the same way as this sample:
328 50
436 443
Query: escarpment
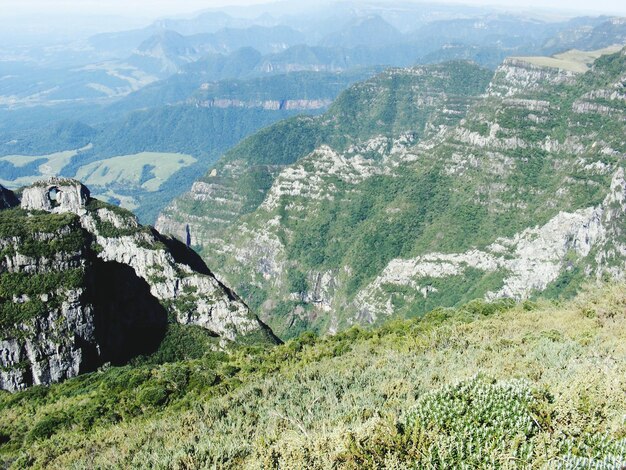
83 284
511 188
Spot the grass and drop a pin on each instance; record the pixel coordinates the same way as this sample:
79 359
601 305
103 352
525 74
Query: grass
148 170
21 160
56 160
128 202
51 165
588 56
497 386
573 60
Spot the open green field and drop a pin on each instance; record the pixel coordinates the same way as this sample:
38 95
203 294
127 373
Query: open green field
112 197
52 166
123 180
148 170
573 60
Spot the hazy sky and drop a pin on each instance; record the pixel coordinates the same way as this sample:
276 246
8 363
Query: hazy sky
154 8
143 8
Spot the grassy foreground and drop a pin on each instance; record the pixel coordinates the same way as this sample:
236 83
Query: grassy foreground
534 385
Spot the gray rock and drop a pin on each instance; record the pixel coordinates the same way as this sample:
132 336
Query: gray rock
56 195
132 280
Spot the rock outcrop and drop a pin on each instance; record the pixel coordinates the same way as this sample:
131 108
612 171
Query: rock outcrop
268 105
517 75
529 261
85 284
56 195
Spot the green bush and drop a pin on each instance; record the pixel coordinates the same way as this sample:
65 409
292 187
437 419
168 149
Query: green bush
476 419
49 425
182 342
597 451
152 395
297 281
202 379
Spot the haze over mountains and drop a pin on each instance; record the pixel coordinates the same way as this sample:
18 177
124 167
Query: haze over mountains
386 235
186 90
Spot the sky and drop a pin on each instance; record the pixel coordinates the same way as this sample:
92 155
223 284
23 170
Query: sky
150 9
133 8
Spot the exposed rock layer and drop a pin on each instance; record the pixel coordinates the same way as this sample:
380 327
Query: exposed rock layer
86 284
525 198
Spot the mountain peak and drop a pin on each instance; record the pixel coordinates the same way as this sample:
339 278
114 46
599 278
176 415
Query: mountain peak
369 30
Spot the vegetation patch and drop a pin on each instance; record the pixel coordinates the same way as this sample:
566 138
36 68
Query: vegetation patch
147 170
497 385
21 294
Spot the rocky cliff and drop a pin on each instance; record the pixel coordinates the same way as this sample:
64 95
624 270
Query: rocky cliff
268 105
82 283
406 104
518 192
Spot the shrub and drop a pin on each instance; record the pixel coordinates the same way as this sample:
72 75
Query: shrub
49 425
152 395
476 420
598 451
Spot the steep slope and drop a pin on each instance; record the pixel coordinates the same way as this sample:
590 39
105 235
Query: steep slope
525 194
82 283
588 34
487 386
404 104
370 120
144 158
7 198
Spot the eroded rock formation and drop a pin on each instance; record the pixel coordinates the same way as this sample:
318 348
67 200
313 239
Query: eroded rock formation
56 195
85 284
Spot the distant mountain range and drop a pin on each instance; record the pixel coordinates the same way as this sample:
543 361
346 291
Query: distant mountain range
195 87
423 187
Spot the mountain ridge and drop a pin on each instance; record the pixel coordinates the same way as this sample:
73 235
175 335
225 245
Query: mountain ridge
83 284
526 122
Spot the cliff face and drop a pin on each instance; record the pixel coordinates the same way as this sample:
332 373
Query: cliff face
397 108
273 105
47 320
83 283
519 192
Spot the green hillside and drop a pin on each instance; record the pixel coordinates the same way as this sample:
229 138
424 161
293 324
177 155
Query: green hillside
408 104
498 385
168 117
399 199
